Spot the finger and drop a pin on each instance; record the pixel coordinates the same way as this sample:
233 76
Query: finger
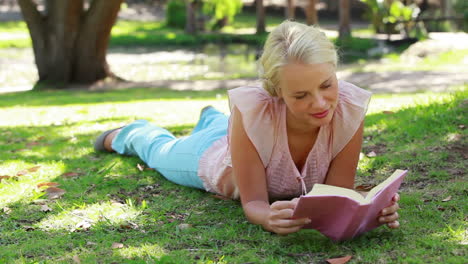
282 214
391 209
394 224
279 205
389 218
287 223
396 197
284 231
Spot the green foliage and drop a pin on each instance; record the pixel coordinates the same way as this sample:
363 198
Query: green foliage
176 14
221 10
461 9
384 15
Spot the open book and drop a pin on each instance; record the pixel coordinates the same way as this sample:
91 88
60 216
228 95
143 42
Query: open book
341 213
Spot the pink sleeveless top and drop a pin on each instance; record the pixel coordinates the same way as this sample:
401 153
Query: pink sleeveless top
264 119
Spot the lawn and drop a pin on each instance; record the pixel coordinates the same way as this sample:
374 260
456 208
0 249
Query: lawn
113 210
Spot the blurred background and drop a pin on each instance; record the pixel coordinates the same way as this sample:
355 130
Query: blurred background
384 45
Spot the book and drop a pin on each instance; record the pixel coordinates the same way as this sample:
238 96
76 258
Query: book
341 213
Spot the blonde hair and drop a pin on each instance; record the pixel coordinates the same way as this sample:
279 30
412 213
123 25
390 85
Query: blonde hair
292 41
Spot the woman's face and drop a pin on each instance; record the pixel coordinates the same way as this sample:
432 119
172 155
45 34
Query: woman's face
310 92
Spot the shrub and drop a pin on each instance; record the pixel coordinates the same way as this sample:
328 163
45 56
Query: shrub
175 14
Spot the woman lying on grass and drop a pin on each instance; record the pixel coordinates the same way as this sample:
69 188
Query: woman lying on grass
301 127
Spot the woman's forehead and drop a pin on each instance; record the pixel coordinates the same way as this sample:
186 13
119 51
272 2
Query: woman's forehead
298 74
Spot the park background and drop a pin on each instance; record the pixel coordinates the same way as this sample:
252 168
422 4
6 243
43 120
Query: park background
60 202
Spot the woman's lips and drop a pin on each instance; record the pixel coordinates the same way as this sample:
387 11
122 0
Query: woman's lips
320 115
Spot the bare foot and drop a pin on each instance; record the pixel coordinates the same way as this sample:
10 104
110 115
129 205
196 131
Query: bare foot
108 140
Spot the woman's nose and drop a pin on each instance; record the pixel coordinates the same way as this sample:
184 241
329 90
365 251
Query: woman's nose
318 102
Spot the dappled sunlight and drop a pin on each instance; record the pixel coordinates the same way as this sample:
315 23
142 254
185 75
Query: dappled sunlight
381 102
86 216
457 234
142 251
24 188
164 112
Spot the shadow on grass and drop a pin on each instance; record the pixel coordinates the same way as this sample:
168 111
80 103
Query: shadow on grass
218 227
70 97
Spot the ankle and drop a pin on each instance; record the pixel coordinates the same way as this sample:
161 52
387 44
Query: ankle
108 140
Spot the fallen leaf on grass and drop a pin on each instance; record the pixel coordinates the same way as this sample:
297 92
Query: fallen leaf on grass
448 198
129 225
440 208
47 184
18 150
388 112
371 154
6 210
140 167
461 126
30 144
21 173
24 172
4 177
84 225
45 208
34 169
76 259
71 174
117 245
54 192
29 228
341 260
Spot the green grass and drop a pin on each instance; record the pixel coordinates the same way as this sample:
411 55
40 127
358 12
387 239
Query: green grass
110 201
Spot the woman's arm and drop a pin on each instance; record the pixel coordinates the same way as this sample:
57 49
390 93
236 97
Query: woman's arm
250 178
343 167
343 170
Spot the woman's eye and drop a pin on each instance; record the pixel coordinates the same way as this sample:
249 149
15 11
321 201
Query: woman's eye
300 96
326 86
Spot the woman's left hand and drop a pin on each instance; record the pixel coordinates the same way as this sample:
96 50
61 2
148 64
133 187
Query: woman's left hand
389 215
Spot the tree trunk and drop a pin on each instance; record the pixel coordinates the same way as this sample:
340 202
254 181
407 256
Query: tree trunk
260 17
311 13
70 44
290 9
345 25
191 21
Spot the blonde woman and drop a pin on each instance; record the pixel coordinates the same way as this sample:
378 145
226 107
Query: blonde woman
300 127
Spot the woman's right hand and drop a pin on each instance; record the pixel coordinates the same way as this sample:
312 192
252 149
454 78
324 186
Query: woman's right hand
279 219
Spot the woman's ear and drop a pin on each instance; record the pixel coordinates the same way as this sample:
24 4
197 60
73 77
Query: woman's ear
278 93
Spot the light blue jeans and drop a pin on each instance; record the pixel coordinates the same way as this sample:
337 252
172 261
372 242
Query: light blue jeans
175 158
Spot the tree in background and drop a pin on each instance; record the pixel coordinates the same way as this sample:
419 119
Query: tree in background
69 41
290 9
345 23
195 15
222 12
311 12
260 10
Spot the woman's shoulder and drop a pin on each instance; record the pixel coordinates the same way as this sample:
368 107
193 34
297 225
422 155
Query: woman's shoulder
349 114
250 91
350 94
252 98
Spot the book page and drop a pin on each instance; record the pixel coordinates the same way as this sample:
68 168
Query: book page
330 190
385 183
